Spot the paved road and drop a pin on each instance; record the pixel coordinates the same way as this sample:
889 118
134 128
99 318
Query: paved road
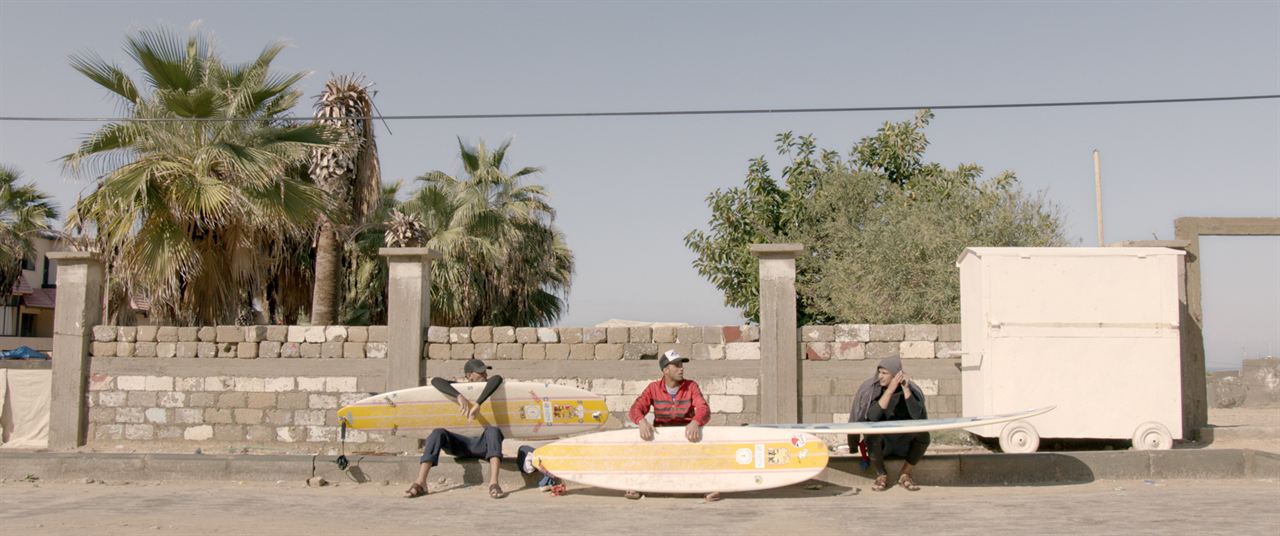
1103 507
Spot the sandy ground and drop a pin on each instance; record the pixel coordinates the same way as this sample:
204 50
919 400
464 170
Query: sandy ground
1247 428
1103 507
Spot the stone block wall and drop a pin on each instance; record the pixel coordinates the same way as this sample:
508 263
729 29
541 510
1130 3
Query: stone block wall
242 342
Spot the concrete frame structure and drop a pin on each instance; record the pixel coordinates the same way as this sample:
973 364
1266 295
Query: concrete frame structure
408 313
780 370
78 309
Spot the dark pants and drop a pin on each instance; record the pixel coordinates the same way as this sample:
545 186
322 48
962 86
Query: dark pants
908 446
488 445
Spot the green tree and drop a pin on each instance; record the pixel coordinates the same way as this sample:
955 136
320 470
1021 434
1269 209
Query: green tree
203 192
24 211
882 230
505 263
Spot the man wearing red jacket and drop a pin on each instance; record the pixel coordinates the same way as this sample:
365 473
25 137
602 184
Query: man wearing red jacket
675 402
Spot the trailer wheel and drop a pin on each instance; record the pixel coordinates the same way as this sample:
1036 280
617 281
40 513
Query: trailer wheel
1152 436
1019 436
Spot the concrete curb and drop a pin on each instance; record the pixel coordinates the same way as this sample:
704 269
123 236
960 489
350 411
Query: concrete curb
941 470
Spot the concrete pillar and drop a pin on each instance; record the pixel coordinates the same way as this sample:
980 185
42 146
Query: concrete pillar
78 308
779 360
408 313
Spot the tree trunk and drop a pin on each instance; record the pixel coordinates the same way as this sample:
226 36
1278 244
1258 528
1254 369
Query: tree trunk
324 296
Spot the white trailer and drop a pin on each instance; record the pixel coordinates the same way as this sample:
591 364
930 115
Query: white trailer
1093 331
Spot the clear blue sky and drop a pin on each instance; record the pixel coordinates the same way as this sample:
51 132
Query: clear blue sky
628 189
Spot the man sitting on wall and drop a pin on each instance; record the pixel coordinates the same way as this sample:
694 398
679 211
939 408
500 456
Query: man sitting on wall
486 447
675 402
890 395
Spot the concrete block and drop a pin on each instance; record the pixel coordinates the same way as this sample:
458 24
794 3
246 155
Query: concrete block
887 332
462 351
714 386
228 432
510 350
278 333
340 384
278 417
928 385
188 416
139 432
946 350
147 333
157 415
229 334
247 350
640 334
246 384
218 416
548 336
750 333
619 403
535 351
315 334
375 350
582 351
108 431
142 399
297 334
101 382
335 334
218 383
504 334
260 400
207 350
198 433
129 415
265 349
848 350
685 350
188 334
127 334
104 333
725 403
558 351
618 335
309 350
124 349
481 334
438 351
881 350
920 332
817 351
606 386
595 335
159 383
353 350
712 335
103 349
916 349
608 352
377 333
949 333
640 350
278 384
291 349
187 349
526 335
731 334
207 334
172 399
570 335
167 334
227 349
742 350
742 386
459 335
485 351
817 333
131 383
255 333
293 400
232 400
247 416
166 350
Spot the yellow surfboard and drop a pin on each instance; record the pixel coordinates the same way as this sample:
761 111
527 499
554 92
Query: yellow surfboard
726 459
522 410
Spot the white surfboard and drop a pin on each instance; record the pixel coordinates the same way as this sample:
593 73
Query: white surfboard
522 410
726 459
907 426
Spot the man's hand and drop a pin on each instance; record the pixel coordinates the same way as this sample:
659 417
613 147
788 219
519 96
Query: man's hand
646 430
467 408
906 384
693 432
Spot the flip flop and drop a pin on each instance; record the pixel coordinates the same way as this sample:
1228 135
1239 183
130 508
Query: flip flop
908 484
633 495
415 490
712 497
881 484
495 492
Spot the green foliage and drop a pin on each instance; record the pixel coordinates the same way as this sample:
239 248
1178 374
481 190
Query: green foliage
882 231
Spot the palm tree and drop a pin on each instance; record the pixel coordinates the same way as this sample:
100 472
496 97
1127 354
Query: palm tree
505 263
24 210
349 174
203 189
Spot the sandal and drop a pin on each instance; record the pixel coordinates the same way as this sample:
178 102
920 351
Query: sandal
882 483
908 484
495 492
712 497
415 490
633 495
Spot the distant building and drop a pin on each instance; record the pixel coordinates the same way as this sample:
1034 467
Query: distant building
29 310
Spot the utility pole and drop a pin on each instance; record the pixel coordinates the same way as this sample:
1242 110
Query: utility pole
1097 193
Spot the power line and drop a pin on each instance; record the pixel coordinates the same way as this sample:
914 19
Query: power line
644 113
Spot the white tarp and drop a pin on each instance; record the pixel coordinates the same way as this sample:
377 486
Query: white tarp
24 408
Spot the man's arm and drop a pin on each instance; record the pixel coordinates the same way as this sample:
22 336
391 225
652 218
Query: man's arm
915 404
445 387
701 410
490 386
640 407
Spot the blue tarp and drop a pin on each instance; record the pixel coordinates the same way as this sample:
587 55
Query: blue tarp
23 352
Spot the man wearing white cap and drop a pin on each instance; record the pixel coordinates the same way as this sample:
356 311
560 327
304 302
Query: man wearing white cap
675 402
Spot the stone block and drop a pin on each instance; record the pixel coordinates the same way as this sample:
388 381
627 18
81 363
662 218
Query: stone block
526 335
124 349
112 399
438 334
949 333
619 335
335 334
232 400
510 350
817 351
482 334
920 332
187 349
887 332
742 350
340 384
486 350
292 400
608 352
278 417
147 333
139 432
159 383
127 334
172 399
296 334
852 332
322 402
582 351
504 334
640 334
207 334
279 384
218 416
535 351
947 350
558 351
188 415
750 333
684 349
188 334
227 349
731 334
331 350
438 351
104 333
101 382
229 334
689 335
276 334
881 350
166 349
166 334
725 403
916 349
817 333
712 335
129 415
268 349
664 334
202 400
206 350
309 350
640 350
103 349
228 432
714 386
291 349
848 350
247 350
219 383
260 400
352 350
198 433
570 335
142 399
595 335
255 333
156 415
742 386
462 351
247 416
460 335
708 351
548 336
377 333
131 383
375 350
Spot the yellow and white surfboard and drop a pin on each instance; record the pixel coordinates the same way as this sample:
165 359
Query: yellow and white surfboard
726 459
522 410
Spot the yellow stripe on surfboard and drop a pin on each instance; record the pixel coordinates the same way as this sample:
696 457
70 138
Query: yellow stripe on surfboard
717 457
411 415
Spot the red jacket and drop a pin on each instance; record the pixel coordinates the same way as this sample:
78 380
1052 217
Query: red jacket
688 405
